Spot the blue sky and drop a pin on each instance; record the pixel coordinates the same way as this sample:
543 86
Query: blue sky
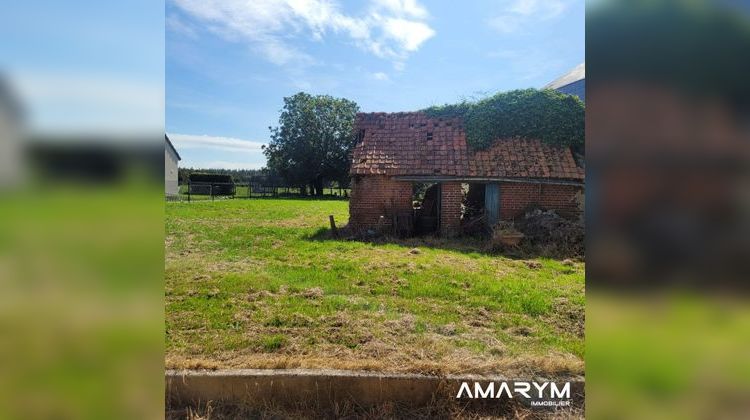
90 67
229 63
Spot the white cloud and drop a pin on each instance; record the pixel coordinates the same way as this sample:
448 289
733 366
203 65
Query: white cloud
544 8
381 76
94 102
408 34
223 164
409 8
390 29
520 13
193 141
281 53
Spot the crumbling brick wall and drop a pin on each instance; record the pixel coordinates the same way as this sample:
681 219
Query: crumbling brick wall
375 196
450 208
516 197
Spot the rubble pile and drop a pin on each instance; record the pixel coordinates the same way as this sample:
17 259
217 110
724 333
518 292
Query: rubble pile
551 234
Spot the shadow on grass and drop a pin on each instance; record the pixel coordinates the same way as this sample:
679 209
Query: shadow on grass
462 244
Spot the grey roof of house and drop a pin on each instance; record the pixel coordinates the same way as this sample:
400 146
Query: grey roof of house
578 73
9 101
172 147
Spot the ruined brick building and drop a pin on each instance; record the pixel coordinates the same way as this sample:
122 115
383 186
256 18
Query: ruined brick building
398 150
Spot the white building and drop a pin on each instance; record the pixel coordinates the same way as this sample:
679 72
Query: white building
171 157
572 83
11 149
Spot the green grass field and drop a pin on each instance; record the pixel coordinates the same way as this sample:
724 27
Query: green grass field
249 283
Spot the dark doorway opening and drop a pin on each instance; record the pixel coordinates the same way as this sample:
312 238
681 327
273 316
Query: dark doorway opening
426 203
473 205
473 218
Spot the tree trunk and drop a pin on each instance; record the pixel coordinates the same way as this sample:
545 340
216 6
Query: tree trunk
318 183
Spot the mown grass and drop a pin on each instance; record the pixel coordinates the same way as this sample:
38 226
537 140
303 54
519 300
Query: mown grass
249 283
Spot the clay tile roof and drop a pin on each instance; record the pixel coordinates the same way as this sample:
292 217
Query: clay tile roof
521 158
415 144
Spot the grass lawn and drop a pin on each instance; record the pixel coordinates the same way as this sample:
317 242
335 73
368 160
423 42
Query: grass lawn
249 285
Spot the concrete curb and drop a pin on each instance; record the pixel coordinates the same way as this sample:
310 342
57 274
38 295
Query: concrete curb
323 388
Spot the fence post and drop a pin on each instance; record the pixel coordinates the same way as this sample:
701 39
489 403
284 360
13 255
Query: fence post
188 191
334 231
211 191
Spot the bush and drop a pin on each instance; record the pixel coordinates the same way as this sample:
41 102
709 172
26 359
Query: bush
548 115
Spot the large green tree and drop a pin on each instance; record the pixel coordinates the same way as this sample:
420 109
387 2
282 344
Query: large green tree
312 144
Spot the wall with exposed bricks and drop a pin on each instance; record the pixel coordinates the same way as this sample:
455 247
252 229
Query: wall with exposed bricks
517 197
450 208
379 195
376 196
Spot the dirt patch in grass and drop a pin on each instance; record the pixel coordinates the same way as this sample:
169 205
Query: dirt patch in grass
312 293
569 318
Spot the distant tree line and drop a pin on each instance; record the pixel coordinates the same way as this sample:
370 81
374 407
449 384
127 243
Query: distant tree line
241 176
262 176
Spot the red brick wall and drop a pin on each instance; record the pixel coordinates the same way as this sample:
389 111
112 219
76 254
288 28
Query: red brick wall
516 197
377 195
450 208
374 196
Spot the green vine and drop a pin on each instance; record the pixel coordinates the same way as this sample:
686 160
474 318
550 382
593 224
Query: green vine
548 115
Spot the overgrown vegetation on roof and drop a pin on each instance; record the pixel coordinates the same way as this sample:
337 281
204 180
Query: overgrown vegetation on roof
547 115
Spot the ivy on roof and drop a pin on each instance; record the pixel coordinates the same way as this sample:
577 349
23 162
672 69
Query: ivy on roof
548 115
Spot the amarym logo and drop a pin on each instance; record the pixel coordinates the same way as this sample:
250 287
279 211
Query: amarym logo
490 390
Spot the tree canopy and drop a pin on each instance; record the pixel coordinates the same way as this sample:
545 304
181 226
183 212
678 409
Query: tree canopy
548 115
311 145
